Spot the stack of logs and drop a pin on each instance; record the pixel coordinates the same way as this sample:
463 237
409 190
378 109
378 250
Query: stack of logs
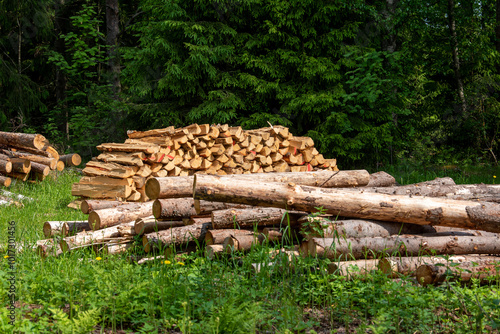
121 170
26 156
360 227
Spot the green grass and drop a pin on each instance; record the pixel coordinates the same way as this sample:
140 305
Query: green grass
79 293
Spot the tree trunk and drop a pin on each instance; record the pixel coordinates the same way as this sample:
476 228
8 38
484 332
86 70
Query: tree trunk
182 186
216 237
89 205
176 236
206 207
433 274
150 224
112 33
121 214
320 227
359 248
468 192
395 208
456 58
173 208
87 238
52 228
241 242
20 165
20 140
396 266
353 268
51 162
5 166
40 168
381 179
71 160
246 218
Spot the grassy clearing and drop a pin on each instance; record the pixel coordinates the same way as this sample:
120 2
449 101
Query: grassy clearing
83 292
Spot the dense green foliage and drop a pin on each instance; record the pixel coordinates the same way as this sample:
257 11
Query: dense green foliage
371 81
82 291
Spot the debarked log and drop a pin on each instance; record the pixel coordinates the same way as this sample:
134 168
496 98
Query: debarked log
51 228
359 248
352 204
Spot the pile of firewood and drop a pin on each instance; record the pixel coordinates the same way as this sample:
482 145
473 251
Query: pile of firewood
121 170
26 156
360 228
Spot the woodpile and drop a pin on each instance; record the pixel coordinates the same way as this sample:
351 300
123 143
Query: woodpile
122 170
25 156
359 229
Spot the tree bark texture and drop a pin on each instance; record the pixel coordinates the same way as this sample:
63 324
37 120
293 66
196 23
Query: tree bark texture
89 205
175 236
150 224
246 218
20 140
394 208
216 237
121 214
358 248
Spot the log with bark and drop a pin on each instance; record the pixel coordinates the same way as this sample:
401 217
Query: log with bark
14 139
175 236
241 242
88 238
382 207
99 219
322 227
353 268
216 237
397 266
89 205
212 251
52 228
359 248
5 181
247 218
465 271
71 160
151 224
173 187
381 179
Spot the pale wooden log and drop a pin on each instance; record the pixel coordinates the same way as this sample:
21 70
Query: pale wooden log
101 190
51 162
5 166
117 248
89 205
72 160
396 266
14 139
396 208
246 218
151 133
381 179
60 166
5 181
146 148
212 251
151 224
445 230
241 243
121 214
20 165
214 237
321 227
48 247
468 192
175 187
175 236
124 159
52 228
87 238
353 268
433 274
358 248
95 168
52 152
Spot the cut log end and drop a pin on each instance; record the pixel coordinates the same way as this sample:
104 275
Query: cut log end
425 275
94 220
5 181
152 188
157 209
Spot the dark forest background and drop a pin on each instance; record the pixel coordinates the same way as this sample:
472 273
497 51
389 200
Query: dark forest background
373 82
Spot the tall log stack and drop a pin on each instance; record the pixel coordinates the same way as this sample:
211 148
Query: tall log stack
26 156
121 170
